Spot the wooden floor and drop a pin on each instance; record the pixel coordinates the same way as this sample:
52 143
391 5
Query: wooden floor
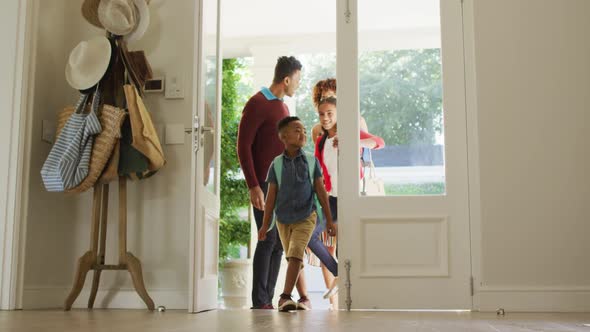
264 320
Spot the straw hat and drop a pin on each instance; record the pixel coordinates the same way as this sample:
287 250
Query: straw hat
143 20
117 16
90 12
88 62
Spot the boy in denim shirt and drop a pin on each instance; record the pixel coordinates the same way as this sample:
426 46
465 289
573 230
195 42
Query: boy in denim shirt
295 203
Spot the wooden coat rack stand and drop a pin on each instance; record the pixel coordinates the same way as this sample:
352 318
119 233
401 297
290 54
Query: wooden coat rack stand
94 259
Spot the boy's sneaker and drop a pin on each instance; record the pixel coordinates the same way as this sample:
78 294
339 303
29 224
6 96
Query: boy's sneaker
333 289
286 303
304 304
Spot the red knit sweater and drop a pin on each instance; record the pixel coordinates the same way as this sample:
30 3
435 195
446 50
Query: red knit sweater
320 155
258 138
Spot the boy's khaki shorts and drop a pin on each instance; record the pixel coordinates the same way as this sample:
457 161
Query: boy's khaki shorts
295 237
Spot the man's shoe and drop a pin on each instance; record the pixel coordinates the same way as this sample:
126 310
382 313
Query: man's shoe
264 306
304 304
287 304
333 289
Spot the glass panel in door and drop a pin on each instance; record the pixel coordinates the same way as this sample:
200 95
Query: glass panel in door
211 77
401 97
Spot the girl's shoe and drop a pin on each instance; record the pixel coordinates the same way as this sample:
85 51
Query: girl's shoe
304 304
333 289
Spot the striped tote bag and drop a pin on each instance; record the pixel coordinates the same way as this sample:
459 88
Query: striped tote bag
68 161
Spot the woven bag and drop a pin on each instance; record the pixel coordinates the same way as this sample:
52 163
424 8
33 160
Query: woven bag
67 164
110 118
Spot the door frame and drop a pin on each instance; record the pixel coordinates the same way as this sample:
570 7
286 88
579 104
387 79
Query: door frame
474 185
14 219
14 223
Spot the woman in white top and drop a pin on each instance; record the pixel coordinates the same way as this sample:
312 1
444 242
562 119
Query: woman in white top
326 151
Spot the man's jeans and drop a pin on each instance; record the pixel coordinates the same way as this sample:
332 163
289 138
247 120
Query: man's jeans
266 263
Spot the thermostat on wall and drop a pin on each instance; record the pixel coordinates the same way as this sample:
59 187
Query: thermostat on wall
154 85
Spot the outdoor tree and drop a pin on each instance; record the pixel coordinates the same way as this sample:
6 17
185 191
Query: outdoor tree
233 230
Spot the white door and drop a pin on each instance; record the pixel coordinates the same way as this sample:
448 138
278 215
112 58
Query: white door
410 248
205 197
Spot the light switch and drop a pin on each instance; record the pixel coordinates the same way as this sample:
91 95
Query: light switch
174 86
175 133
48 129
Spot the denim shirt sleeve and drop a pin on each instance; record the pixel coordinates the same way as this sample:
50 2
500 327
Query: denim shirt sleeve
317 172
271 177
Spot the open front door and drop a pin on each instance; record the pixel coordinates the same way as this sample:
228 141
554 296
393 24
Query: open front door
205 191
400 64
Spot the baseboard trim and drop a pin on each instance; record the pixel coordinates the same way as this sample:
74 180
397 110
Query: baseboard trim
533 299
53 297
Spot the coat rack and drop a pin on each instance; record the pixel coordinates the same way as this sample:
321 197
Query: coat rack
120 71
94 259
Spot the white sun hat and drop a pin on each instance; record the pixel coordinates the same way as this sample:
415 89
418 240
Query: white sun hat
117 16
142 18
88 62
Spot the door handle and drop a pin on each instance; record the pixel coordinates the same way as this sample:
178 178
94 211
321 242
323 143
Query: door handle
207 129
203 130
200 131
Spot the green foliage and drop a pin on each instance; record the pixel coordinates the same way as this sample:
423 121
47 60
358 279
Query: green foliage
233 230
401 95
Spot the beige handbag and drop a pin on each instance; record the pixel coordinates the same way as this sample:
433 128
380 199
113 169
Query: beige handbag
371 185
145 137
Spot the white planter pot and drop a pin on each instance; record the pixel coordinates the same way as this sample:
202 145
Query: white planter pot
236 283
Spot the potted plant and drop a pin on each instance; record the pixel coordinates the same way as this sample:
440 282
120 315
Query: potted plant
234 228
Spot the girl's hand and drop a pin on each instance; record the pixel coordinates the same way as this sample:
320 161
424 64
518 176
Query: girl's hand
262 233
332 229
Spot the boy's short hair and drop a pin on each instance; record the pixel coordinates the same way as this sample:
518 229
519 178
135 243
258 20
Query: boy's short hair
285 122
328 100
286 66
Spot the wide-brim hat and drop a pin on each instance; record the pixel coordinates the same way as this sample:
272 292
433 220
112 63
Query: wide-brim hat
142 18
117 16
88 62
90 12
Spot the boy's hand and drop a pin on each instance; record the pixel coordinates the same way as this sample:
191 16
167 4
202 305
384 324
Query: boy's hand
262 233
332 229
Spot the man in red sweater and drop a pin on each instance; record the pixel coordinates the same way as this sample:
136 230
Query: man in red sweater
258 145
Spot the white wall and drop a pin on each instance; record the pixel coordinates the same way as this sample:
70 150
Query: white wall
8 34
158 208
11 31
533 99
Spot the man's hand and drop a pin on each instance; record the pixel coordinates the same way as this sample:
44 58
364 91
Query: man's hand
257 197
262 233
335 144
332 229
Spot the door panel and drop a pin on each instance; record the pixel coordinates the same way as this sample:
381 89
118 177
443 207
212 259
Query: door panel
408 249
205 199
